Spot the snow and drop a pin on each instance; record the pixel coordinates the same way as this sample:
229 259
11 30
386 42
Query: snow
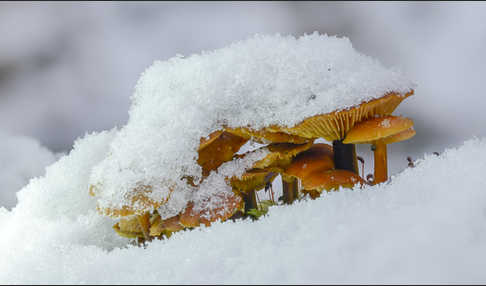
258 82
425 225
385 123
21 158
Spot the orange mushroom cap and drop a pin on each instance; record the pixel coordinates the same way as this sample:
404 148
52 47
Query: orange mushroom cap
331 180
219 147
264 136
317 158
158 226
222 207
378 128
402 136
335 125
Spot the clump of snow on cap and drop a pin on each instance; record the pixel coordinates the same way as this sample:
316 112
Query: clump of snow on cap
214 189
258 82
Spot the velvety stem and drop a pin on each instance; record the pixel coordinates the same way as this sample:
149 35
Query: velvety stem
290 188
345 156
381 166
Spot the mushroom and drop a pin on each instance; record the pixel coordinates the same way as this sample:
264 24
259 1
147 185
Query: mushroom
318 157
139 202
219 207
334 126
265 170
264 136
379 132
217 148
135 216
315 182
249 182
166 226
129 227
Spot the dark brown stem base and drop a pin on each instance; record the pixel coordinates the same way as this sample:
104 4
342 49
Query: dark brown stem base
250 201
290 189
345 156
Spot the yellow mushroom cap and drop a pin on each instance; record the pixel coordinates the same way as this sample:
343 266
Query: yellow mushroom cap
266 169
129 227
334 125
317 158
377 128
264 136
252 180
219 147
158 226
331 180
281 154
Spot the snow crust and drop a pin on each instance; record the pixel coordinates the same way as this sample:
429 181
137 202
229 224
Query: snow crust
262 81
424 226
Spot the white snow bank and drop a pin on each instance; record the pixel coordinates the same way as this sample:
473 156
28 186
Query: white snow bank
426 225
21 158
56 210
262 81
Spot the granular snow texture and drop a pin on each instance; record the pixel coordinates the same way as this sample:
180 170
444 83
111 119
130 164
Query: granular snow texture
426 225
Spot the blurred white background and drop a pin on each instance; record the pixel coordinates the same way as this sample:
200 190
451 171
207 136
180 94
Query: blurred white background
70 68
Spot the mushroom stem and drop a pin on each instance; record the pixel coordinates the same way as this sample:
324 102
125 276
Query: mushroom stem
250 200
290 189
144 222
381 166
345 156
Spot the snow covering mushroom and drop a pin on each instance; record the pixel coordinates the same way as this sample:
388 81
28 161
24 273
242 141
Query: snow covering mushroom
283 87
379 132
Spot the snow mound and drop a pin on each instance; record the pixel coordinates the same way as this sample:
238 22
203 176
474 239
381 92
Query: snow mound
21 158
56 209
426 225
262 81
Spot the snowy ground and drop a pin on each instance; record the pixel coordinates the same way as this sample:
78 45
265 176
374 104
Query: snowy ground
425 225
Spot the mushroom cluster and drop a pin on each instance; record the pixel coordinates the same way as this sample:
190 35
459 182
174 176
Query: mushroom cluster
305 167
179 162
